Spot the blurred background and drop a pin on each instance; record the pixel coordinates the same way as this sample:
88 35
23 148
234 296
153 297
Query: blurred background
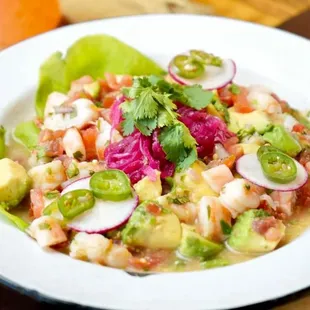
20 19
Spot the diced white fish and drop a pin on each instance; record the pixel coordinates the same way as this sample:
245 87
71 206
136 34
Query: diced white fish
47 231
289 121
54 100
217 177
212 218
238 196
106 133
73 144
285 201
264 101
48 176
98 249
84 111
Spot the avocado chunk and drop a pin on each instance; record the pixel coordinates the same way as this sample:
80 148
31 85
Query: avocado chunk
152 226
251 234
148 189
258 119
283 140
14 182
92 89
195 246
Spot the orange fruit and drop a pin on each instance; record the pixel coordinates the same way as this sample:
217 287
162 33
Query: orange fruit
21 19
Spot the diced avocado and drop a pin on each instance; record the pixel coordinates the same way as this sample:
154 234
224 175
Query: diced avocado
147 189
245 239
283 140
92 89
2 142
249 148
152 226
72 170
258 119
192 180
213 263
194 246
14 182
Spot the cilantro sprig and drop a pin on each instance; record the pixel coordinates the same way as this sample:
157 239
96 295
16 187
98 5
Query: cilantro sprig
150 105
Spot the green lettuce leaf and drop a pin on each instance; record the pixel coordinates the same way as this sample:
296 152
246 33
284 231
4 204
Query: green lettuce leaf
96 54
91 55
52 78
28 134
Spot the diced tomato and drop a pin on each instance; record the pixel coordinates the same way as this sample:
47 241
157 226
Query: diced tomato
53 148
304 157
153 209
37 202
277 214
241 103
303 195
109 99
51 141
66 160
149 260
298 128
225 95
236 150
231 141
126 80
89 136
230 161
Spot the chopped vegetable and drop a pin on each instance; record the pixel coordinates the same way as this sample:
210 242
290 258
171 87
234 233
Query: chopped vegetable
193 245
249 167
28 134
278 167
2 142
17 221
75 203
104 215
110 185
283 140
256 232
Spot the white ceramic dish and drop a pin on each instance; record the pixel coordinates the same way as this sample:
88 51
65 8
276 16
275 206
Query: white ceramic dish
263 55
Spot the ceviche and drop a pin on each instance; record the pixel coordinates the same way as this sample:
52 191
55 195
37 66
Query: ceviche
129 166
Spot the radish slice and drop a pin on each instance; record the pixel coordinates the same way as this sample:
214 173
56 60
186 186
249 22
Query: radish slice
104 216
213 77
249 167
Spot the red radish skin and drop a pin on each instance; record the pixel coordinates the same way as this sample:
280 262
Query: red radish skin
205 82
249 167
95 220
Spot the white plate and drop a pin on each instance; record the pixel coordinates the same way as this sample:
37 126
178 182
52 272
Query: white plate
263 55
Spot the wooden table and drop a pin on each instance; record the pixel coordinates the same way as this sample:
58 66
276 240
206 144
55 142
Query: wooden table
12 300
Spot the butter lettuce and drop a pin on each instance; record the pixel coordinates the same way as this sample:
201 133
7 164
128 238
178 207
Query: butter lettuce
91 55
52 78
28 134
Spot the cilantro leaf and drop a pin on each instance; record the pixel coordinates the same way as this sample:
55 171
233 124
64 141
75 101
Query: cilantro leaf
128 124
220 107
165 118
188 161
144 106
226 228
196 97
178 143
146 126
